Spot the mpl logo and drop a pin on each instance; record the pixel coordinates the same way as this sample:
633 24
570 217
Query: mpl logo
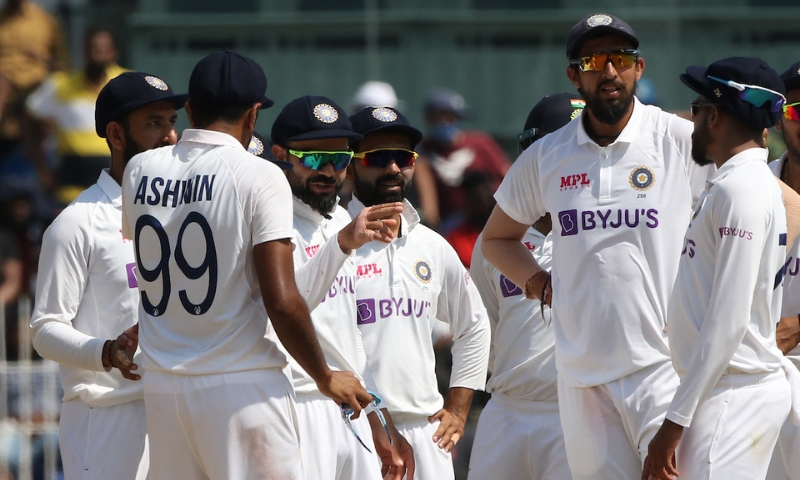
573 182
312 250
369 270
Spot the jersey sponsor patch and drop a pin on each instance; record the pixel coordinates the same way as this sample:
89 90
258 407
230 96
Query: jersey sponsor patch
342 285
572 223
131 271
423 271
509 288
370 310
312 250
368 270
574 182
642 178
688 247
735 232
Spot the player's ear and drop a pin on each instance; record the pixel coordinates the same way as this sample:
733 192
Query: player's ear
350 175
251 117
573 75
280 153
115 133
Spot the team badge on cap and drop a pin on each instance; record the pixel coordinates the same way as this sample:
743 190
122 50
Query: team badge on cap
256 146
598 20
422 271
156 82
384 114
325 113
642 178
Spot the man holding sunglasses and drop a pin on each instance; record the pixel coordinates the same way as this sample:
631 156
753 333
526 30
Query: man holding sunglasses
620 185
312 134
403 289
733 397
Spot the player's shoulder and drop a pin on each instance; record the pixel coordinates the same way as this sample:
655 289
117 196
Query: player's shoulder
666 124
776 165
78 218
434 244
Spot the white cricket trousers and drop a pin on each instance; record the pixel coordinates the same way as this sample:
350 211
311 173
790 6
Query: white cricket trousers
734 431
608 427
432 462
98 443
785 463
228 426
518 440
330 450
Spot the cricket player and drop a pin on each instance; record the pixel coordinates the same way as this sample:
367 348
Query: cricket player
403 288
312 134
519 433
86 292
734 396
212 229
620 184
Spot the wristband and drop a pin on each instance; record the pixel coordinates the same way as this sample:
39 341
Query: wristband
106 356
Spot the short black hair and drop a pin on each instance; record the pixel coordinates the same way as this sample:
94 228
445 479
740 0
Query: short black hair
95 30
206 113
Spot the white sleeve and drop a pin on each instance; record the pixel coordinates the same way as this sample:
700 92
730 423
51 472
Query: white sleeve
728 315
363 366
42 101
271 209
460 306
63 272
519 195
481 272
316 276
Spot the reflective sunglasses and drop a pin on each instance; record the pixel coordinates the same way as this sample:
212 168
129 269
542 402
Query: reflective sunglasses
755 95
695 106
316 159
792 112
347 411
596 62
382 157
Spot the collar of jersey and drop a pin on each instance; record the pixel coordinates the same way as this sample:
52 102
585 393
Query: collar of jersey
209 137
409 216
627 135
111 188
741 158
302 209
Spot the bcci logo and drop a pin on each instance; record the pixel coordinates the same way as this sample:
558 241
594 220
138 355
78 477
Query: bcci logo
156 82
386 115
422 271
325 113
256 146
598 20
642 178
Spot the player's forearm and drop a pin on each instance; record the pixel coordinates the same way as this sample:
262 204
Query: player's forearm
316 276
787 334
61 343
293 326
458 401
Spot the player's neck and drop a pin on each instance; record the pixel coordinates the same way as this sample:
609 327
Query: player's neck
601 133
790 172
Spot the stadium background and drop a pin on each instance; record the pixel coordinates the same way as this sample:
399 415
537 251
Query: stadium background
501 55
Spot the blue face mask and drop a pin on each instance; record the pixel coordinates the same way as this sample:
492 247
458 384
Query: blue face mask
443 133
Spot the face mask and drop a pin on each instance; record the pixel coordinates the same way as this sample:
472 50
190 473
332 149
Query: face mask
443 133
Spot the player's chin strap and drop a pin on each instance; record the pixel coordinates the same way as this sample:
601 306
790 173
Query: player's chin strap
374 406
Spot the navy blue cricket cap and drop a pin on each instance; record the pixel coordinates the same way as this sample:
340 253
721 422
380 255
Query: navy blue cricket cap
228 78
551 113
384 119
261 148
791 77
127 92
596 25
312 118
444 99
744 70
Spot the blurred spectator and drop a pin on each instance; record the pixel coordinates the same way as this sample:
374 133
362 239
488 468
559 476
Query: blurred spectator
31 46
65 103
375 94
479 204
453 153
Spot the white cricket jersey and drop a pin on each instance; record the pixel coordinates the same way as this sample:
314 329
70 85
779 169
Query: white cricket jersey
522 360
86 294
403 287
791 280
619 213
195 212
726 301
326 277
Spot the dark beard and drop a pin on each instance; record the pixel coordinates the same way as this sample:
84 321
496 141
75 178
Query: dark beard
699 143
609 113
323 204
95 72
132 148
368 194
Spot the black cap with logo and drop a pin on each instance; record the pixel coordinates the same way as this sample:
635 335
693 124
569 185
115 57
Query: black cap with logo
312 118
596 25
261 148
551 113
791 77
228 78
383 119
127 92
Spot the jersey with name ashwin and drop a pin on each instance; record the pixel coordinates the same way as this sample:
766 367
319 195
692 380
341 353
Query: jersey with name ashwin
402 288
522 361
326 277
195 211
86 294
726 301
619 213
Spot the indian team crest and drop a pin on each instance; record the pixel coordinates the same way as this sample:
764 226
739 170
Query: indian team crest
256 146
386 115
156 82
325 113
598 20
577 108
423 271
642 178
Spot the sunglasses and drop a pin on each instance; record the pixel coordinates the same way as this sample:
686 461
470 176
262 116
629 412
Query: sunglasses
596 62
347 411
317 159
754 94
695 106
792 112
382 157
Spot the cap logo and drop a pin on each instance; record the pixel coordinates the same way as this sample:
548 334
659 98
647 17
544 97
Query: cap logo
156 82
717 92
256 146
599 20
798 71
384 114
325 113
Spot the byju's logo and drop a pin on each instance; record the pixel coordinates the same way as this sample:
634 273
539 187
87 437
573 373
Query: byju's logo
509 288
366 311
569 222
